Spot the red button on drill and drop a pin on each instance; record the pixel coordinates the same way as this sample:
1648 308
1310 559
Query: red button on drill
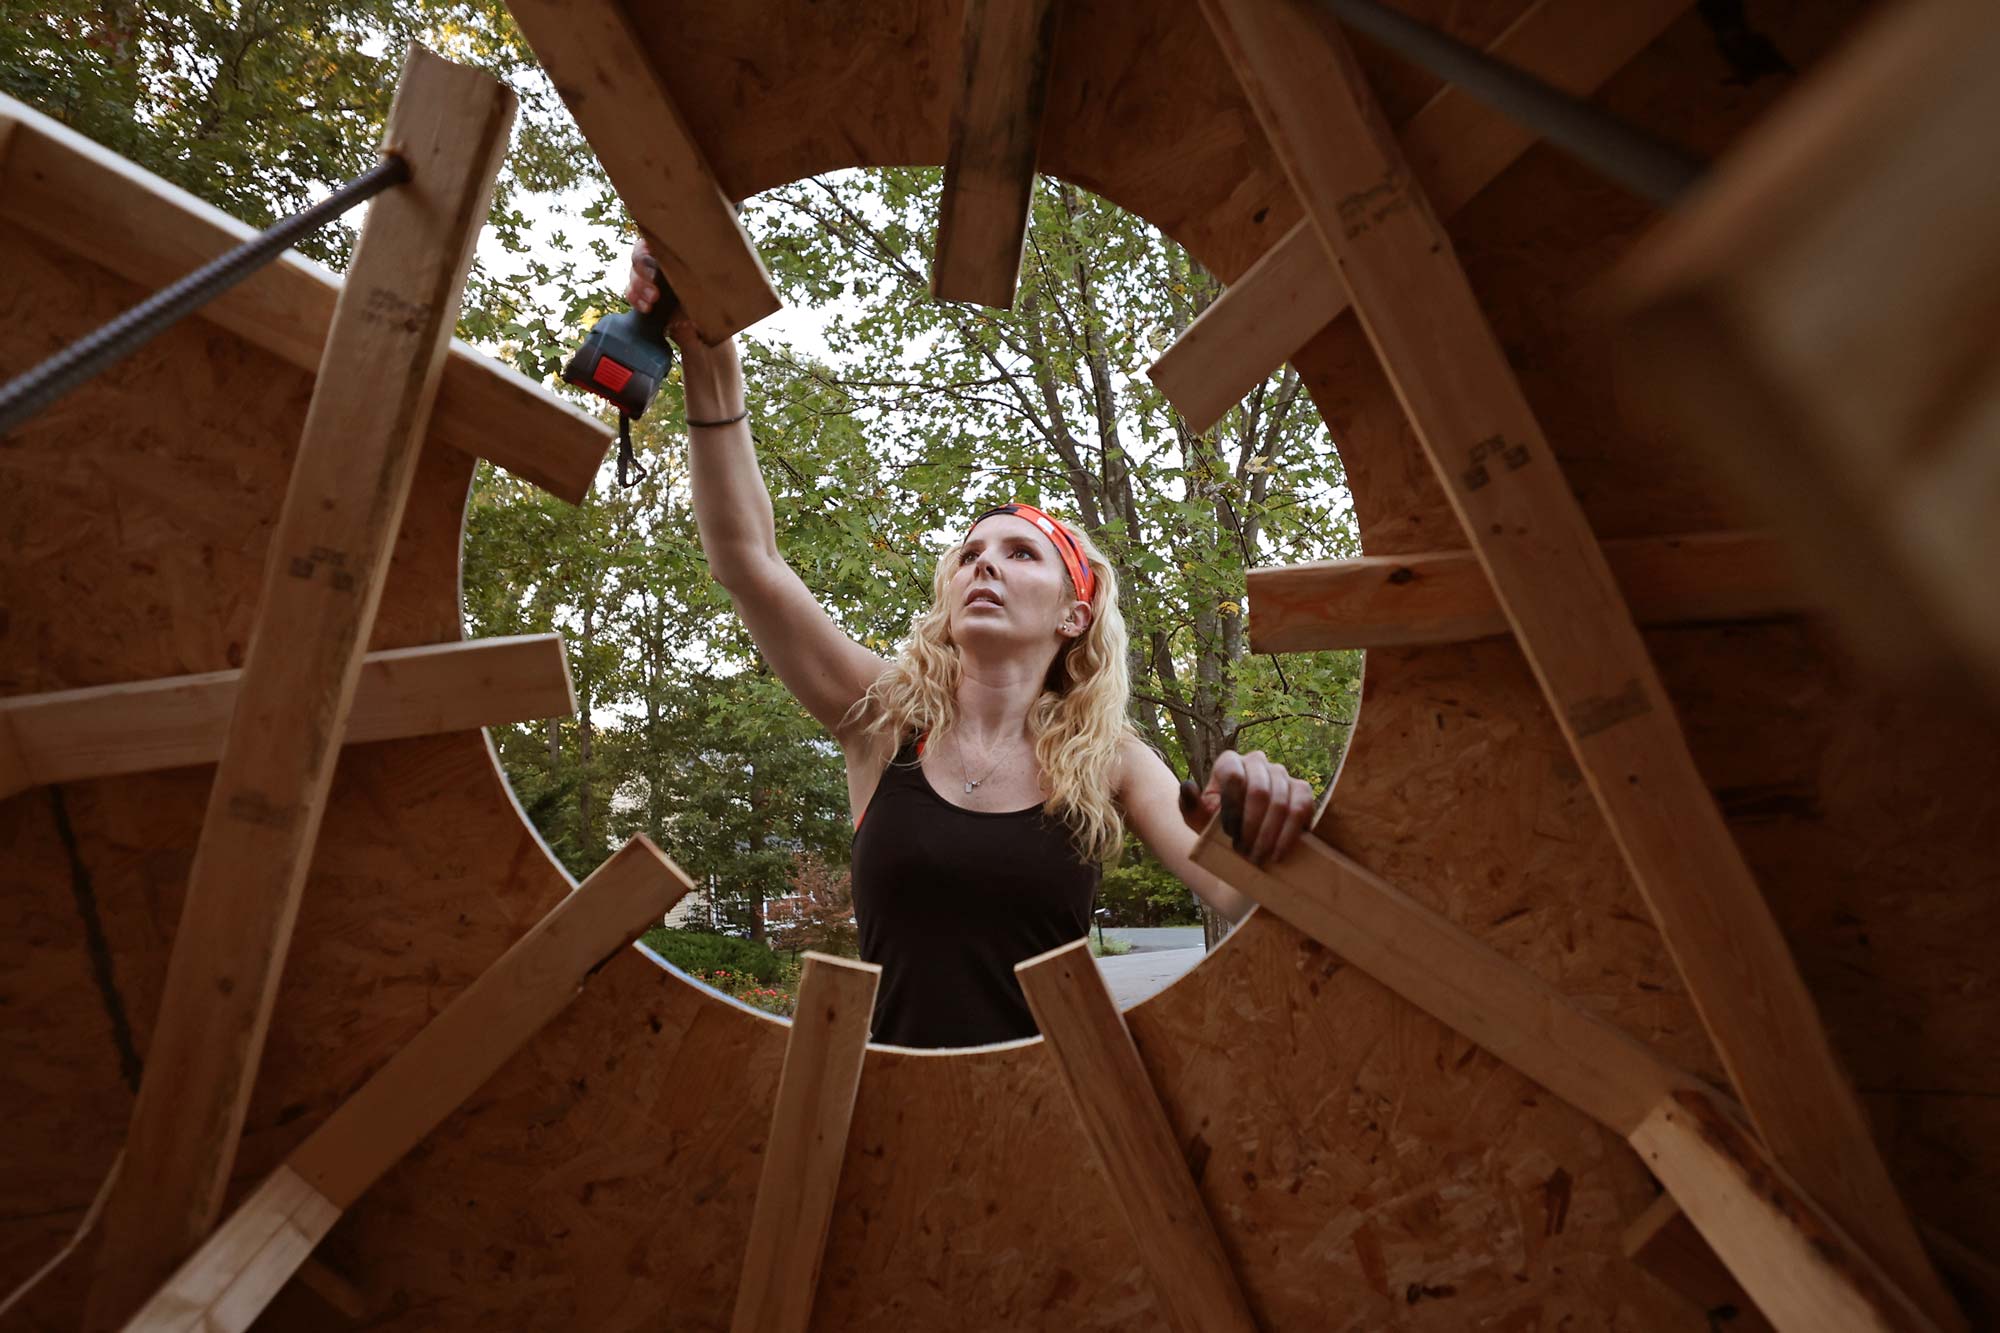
610 374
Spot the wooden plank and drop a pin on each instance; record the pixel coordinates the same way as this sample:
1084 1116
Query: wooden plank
1193 1280
996 130
1804 1272
90 201
323 581
226 1283
1821 320
1502 479
1444 596
1520 1018
600 66
1606 1073
145 725
806 1145
1456 145
1663 1242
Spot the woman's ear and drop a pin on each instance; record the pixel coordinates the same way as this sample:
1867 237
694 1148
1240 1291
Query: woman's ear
1076 623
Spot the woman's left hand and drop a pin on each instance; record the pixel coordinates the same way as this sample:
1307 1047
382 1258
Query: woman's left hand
1264 808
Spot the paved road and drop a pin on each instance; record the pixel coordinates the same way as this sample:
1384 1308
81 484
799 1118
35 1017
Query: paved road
1134 976
1149 939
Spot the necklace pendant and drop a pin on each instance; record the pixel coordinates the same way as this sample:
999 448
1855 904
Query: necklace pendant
969 785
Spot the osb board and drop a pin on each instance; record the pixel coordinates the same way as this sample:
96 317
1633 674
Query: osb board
1867 816
135 515
1363 1165
1366 1167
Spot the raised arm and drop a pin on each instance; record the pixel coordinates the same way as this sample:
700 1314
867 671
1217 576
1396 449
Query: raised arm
823 668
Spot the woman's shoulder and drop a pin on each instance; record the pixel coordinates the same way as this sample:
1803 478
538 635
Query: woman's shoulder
1136 756
875 749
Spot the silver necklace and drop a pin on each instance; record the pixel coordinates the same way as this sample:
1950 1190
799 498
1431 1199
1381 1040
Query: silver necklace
964 770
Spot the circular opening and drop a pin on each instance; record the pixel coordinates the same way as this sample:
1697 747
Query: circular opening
884 421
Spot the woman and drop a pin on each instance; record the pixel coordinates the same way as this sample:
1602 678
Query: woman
991 767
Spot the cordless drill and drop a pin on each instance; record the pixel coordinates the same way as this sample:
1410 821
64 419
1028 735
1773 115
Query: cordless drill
624 360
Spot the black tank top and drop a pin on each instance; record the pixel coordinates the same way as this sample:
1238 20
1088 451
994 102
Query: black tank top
948 900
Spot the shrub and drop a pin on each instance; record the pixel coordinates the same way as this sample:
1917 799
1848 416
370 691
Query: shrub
699 953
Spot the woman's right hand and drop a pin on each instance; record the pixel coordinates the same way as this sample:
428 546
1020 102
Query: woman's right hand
642 288
711 375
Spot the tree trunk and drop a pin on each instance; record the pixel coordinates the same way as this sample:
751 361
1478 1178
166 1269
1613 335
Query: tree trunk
584 735
758 801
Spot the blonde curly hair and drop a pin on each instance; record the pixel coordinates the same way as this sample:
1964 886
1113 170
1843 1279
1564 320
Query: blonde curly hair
1078 722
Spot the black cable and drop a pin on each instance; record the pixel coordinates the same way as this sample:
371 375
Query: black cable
97 351
1643 164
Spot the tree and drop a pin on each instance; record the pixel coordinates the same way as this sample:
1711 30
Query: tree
818 913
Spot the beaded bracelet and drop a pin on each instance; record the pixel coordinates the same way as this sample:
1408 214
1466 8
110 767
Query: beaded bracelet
725 421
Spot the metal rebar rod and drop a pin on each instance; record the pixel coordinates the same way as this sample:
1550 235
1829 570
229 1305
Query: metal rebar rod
104 347
1646 165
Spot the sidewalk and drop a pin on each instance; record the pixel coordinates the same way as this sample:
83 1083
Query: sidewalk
1149 939
1134 976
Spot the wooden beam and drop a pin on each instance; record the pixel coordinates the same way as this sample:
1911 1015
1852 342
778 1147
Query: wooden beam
1518 512
1821 321
1196 1287
1456 145
1445 597
1804 1272
91 202
328 562
602 68
107 730
996 133
1520 1018
225 1284
1663 1242
807 1143
1600 1069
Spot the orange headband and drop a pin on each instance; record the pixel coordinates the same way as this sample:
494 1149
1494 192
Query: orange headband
1067 544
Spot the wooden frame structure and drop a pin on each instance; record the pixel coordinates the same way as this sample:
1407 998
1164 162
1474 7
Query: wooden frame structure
1503 481
323 581
1346 1116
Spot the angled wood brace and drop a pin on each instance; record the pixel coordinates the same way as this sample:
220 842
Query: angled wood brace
597 59
1396 601
996 131
808 1140
1456 145
107 730
1792 1258
226 1283
1193 1280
